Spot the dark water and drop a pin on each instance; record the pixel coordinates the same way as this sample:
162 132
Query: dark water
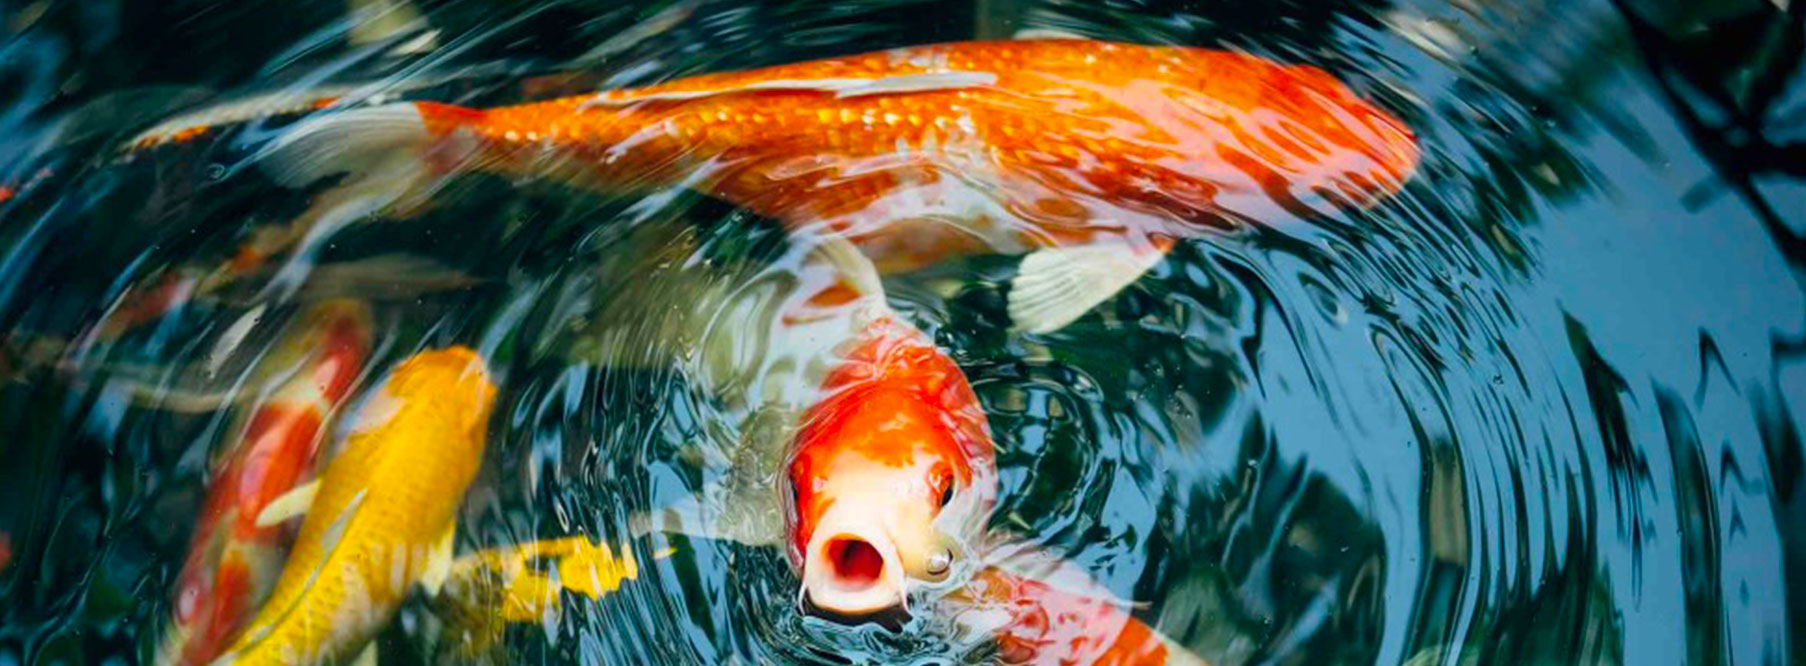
1541 408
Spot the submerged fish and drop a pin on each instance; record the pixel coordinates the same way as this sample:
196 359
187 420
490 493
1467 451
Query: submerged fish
1045 624
1093 156
490 589
233 561
381 517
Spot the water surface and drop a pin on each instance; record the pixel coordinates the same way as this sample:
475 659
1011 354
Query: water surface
1540 408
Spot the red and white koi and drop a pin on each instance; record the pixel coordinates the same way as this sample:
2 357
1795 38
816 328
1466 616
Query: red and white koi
234 560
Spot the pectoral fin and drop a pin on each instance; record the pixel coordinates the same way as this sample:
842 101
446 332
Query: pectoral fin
439 562
1057 285
850 264
1046 33
292 504
839 282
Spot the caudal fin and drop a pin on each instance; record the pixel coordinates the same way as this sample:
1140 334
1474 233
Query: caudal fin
346 142
392 160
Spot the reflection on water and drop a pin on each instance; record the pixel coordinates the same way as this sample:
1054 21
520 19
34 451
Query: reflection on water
1538 408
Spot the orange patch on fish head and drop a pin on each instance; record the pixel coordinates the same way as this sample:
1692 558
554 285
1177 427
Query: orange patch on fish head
877 440
457 381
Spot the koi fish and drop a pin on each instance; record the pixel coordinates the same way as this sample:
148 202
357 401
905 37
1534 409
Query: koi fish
381 518
892 474
1090 157
887 488
892 478
233 560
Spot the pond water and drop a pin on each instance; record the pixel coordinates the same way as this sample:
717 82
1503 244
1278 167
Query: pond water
1541 406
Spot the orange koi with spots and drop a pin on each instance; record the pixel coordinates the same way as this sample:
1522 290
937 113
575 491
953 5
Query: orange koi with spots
1093 156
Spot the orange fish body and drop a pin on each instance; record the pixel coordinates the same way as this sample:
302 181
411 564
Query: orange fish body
1024 144
920 154
233 562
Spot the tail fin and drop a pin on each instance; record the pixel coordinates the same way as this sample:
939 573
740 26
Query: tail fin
352 142
393 157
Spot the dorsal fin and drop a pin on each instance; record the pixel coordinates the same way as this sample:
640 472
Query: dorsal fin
842 88
1046 33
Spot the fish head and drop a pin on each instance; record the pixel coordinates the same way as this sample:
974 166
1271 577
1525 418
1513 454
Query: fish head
453 383
891 478
340 342
1309 129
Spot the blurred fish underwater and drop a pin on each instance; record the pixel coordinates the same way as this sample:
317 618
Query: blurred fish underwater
1409 333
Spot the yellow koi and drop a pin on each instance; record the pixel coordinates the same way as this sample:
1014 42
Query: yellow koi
381 518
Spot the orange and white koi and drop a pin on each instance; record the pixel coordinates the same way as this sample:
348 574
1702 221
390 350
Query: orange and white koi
889 479
1094 156
892 474
381 517
233 561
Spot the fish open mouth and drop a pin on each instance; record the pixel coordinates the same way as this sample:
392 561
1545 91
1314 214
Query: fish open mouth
855 563
852 575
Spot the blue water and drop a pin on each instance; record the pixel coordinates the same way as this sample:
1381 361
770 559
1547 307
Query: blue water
1541 408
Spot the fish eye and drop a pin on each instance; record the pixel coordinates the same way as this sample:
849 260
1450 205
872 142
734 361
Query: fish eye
946 492
940 562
